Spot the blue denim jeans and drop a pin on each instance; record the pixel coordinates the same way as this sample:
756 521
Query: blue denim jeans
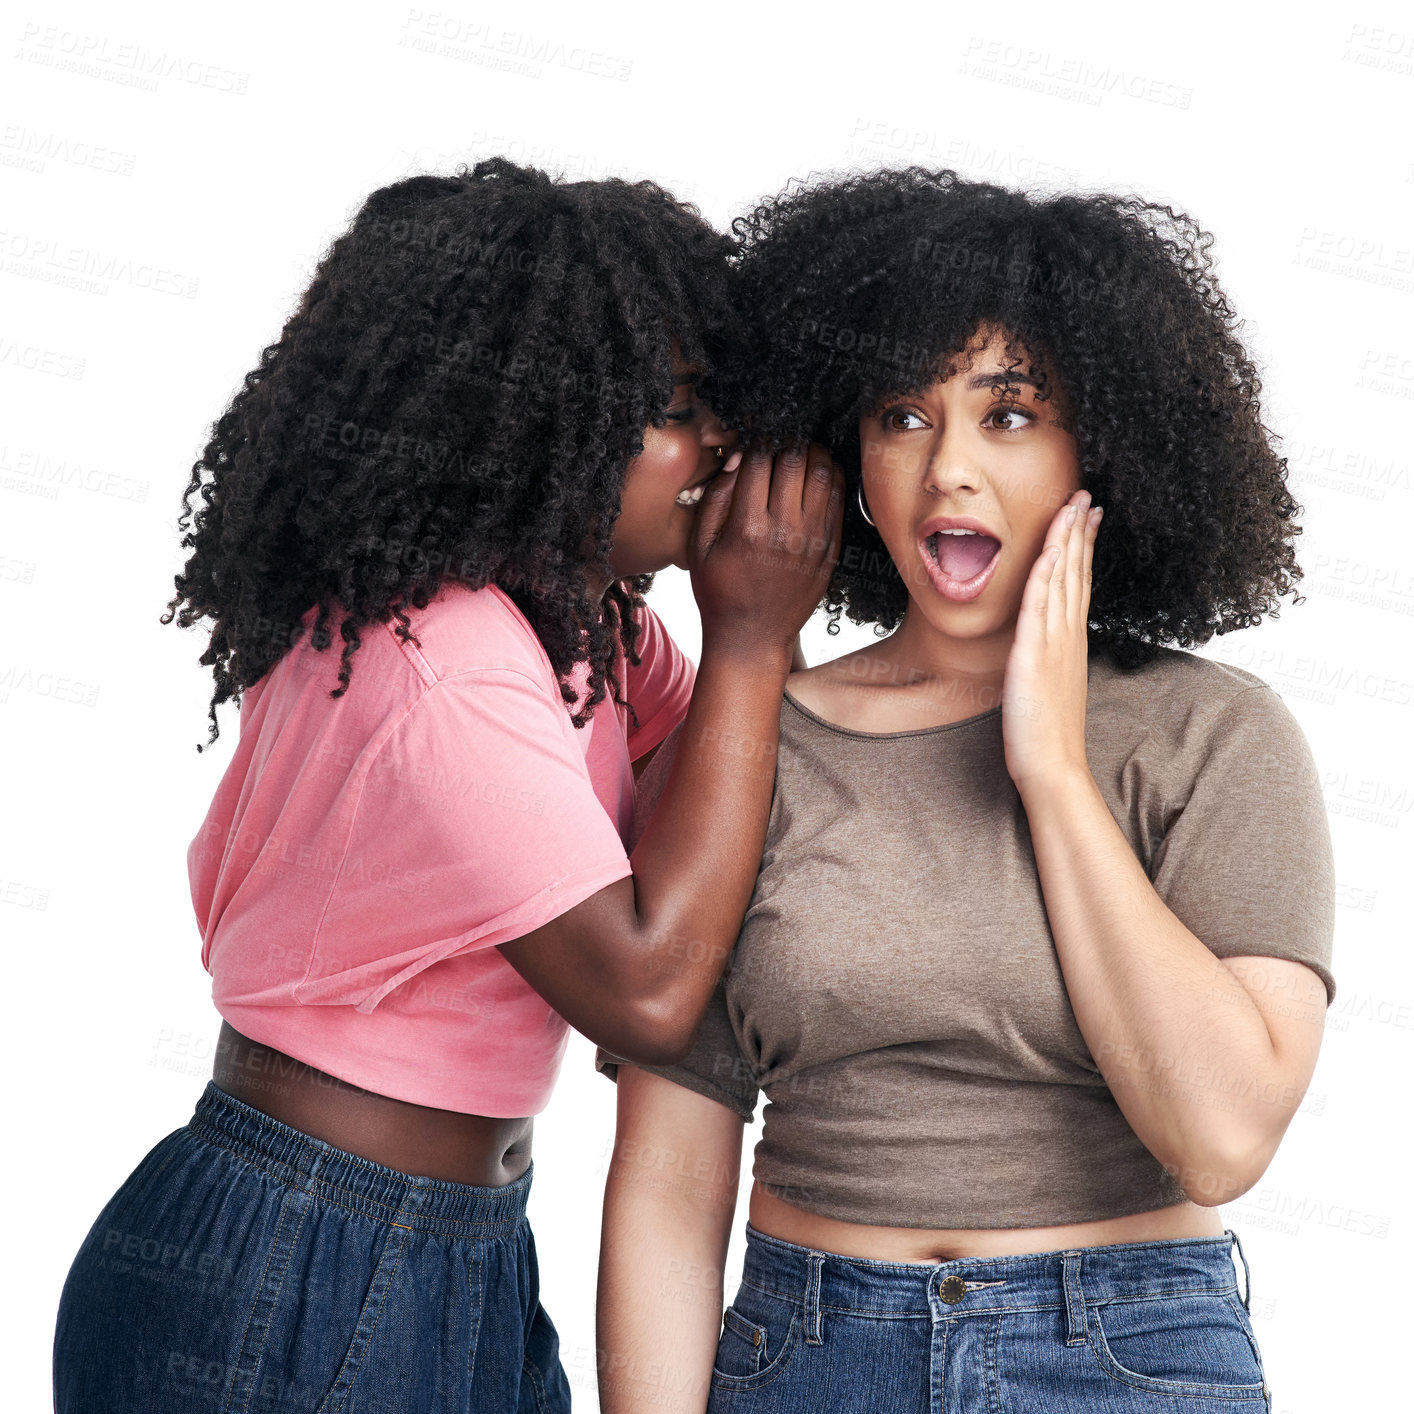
1143 1326
245 1266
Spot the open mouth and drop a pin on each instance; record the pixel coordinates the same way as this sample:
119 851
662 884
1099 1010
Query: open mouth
960 563
693 494
689 496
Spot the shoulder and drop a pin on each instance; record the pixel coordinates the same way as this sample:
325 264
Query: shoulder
1187 710
653 636
1176 687
655 646
647 618
464 630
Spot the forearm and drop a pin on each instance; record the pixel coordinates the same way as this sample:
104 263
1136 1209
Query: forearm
660 1295
695 864
1176 1036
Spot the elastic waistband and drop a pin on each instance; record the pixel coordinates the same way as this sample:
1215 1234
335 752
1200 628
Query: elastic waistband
971 1285
375 1190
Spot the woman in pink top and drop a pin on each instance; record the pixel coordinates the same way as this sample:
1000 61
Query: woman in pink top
482 431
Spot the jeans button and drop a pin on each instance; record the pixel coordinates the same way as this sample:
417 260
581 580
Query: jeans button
952 1290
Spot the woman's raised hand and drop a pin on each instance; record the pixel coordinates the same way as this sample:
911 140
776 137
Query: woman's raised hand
764 546
1043 697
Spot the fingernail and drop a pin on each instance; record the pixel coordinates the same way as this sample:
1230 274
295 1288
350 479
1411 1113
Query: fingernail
1070 515
733 461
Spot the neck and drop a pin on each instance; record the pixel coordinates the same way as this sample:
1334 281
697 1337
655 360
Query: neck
966 671
599 586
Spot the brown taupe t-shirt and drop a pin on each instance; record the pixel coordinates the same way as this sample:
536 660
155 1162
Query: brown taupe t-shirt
895 989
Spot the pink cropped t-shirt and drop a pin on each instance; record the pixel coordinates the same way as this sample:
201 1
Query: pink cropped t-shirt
364 854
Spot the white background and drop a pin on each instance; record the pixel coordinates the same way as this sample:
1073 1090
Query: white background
170 179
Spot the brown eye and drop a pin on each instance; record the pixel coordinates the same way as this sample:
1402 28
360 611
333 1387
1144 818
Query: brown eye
890 419
1023 418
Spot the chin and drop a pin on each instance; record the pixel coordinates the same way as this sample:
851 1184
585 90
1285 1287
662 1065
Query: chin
974 620
651 564
643 558
677 558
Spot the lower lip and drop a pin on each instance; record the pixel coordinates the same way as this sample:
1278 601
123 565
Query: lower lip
960 591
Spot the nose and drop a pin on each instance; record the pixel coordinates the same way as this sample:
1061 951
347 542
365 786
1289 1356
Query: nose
952 462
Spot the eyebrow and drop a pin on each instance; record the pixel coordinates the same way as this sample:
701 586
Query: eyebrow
680 378
1003 375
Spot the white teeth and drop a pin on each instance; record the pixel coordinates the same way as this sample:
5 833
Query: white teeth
691 496
958 532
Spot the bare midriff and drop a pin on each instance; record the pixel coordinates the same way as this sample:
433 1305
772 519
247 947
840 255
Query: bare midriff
777 1218
480 1150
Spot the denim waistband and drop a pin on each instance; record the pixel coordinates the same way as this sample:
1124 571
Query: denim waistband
336 1176
973 1285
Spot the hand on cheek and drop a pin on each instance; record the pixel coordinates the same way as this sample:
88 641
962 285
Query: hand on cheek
1043 697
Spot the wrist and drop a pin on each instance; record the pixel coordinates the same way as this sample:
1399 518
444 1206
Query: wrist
765 656
1058 784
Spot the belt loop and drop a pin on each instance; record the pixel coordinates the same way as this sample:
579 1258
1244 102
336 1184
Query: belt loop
308 1161
1075 1327
812 1300
1246 1272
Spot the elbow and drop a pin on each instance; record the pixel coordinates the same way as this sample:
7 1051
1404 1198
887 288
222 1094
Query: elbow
1223 1169
648 1034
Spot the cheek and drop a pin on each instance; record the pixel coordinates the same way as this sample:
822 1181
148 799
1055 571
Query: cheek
891 472
668 461
1041 487
651 470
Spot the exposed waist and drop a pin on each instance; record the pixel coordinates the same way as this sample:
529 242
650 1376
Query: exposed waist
966 1285
773 1216
480 1150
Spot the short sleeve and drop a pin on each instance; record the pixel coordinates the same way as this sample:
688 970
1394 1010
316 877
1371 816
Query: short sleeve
660 687
1247 864
714 1067
480 805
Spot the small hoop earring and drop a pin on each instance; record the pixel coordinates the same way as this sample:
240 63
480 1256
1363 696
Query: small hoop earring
863 510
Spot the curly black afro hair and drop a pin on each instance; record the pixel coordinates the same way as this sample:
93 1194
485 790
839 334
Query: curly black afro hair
456 396
870 286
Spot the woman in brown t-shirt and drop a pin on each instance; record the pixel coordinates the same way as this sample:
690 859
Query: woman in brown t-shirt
1036 968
